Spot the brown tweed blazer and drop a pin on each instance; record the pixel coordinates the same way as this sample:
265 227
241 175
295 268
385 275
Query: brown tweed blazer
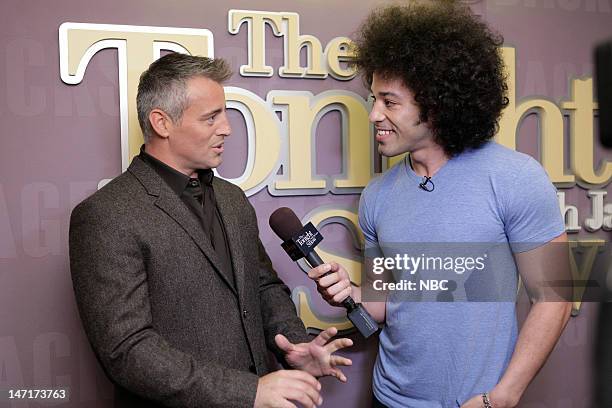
164 322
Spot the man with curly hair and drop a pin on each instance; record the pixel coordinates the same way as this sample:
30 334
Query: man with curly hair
438 85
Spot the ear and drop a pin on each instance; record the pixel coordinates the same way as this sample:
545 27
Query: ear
161 122
425 121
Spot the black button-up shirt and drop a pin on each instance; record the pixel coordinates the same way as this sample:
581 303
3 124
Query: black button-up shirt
198 194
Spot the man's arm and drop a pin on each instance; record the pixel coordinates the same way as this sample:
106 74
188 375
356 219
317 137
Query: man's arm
544 324
277 310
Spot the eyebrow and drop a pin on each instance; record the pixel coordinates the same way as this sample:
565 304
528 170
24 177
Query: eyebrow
212 113
388 93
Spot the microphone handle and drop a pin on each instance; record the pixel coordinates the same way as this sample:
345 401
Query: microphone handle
357 314
314 259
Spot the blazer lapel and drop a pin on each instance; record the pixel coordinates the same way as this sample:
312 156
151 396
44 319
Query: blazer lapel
171 204
229 217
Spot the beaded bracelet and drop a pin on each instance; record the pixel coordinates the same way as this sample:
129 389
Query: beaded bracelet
485 400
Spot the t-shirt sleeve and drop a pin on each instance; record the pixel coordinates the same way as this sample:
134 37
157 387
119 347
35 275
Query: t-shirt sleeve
531 210
367 217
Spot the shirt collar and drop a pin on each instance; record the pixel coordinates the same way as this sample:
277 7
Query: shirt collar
174 178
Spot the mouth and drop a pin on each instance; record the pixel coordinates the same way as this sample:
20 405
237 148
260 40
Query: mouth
382 134
218 148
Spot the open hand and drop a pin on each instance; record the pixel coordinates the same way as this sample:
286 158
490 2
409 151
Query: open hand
316 357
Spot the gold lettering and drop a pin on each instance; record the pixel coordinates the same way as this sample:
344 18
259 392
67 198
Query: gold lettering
340 49
263 136
322 216
582 272
256 26
293 45
581 109
298 166
288 25
312 320
551 125
304 113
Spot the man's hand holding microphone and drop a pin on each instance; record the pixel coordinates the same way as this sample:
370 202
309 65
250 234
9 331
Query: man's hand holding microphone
334 285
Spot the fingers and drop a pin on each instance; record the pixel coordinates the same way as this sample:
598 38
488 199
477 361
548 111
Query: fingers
303 388
333 282
343 294
302 376
283 343
340 361
326 269
316 273
303 394
338 344
325 336
277 389
339 375
286 404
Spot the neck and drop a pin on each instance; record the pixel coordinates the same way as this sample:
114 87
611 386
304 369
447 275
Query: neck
427 162
161 153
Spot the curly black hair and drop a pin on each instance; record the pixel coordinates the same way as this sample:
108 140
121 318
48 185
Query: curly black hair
449 58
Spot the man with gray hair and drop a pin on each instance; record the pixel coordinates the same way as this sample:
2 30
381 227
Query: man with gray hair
176 293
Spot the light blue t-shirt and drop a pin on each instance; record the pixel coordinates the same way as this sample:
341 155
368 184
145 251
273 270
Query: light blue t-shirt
440 354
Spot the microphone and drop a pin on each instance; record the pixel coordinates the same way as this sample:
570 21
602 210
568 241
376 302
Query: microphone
299 242
425 184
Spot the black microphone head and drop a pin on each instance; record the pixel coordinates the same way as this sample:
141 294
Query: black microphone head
285 223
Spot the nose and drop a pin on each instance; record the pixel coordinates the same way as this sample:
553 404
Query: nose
224 128
375 114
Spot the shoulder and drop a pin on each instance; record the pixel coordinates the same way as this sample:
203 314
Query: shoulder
232 197
222 186
526 197
376 194
496 159
383 183
117 197
231 193
504 168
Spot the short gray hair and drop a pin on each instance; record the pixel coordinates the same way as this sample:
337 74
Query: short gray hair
163 85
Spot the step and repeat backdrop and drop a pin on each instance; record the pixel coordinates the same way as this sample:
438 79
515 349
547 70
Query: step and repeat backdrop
301 138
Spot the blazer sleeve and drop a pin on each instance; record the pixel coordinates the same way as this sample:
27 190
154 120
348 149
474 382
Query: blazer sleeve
110 283
277 309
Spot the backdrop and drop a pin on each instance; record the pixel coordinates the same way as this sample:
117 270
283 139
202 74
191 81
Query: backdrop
301 139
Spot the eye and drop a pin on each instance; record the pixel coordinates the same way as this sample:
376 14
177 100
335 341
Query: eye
388 103
211 119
